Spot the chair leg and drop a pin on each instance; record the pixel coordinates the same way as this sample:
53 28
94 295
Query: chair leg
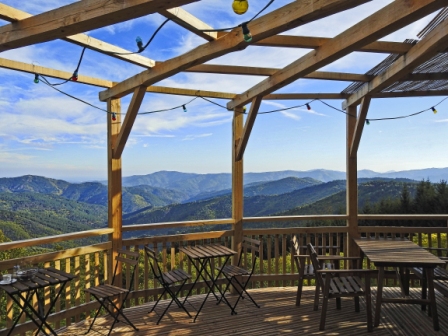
96 314
357 304
316 297
155 304
116 313
326 291
368 304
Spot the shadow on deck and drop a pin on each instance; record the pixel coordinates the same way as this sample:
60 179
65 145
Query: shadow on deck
277 315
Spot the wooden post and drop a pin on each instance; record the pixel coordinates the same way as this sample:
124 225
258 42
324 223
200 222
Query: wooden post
237 183
352 184
114 185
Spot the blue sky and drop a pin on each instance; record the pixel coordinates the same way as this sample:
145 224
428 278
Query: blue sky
46 133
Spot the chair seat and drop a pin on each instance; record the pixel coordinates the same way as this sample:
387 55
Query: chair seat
439 273
174 276
346 286
104 291
231 270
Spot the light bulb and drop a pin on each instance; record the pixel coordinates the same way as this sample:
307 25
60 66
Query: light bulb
308 107
139 43
246 32
434 110
367 122
36 78
240 6
185 109
75 76
114 117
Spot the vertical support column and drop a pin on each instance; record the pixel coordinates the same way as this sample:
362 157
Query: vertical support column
114 185
352 184
237 182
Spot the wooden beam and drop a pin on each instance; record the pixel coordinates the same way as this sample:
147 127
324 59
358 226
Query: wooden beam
309 42
255 106
114 182
297 96
189 22
78 17
425 93
258 71
11 14
385 21
352 185
287 17
237 183
129 120
433 43
360 122
425 76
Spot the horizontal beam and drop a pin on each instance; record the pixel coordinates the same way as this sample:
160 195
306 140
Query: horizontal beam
287 17
189 22
383 22
258 71
308 42
53 239
11 14
78 17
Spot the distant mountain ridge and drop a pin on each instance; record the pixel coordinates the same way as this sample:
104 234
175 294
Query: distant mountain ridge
205 183
134 198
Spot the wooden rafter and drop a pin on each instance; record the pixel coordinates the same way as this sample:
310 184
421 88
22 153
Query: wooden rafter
129 120
430 45
360 121
258 71
291 41
385 21
77 17
254 107
284 18
190 22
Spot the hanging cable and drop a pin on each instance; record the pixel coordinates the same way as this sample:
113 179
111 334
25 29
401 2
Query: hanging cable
141 47
183 106
74 76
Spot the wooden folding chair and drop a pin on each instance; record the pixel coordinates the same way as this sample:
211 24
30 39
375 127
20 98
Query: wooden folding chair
112 298
232 272
306 269
335 286
168 280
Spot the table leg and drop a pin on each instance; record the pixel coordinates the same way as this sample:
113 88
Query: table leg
379 295
432 297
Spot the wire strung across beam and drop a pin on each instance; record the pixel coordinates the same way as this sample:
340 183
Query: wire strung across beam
183 106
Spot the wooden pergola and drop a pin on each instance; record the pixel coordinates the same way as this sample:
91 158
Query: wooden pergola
69 23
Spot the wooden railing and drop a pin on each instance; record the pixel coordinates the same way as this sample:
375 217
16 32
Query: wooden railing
276 267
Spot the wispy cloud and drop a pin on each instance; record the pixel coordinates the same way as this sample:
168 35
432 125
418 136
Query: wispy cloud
196 136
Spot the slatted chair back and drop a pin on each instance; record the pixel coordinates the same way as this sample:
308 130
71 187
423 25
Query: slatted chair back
129 259
316 264
252 247
154 263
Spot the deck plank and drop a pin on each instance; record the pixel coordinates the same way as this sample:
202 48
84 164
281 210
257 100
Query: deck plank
277 315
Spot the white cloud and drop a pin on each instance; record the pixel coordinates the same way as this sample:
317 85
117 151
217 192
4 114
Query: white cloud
196 136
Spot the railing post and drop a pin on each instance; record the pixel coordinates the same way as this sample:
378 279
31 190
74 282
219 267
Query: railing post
114 184
237 183
352 184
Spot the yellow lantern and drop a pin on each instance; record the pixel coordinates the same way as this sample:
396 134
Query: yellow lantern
240 6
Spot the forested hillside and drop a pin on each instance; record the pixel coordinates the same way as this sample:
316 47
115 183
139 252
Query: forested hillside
29 215
134 198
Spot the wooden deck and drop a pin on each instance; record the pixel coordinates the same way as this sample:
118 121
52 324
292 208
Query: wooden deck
277 315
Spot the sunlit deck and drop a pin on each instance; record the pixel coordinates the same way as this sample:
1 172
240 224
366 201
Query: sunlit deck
277 315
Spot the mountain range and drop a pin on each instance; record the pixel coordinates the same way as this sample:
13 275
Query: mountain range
34 206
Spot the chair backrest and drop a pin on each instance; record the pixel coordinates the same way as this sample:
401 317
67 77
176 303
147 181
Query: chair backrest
316 264
153 262
252 246
130 259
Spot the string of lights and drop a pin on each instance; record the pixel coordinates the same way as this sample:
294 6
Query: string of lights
184 106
